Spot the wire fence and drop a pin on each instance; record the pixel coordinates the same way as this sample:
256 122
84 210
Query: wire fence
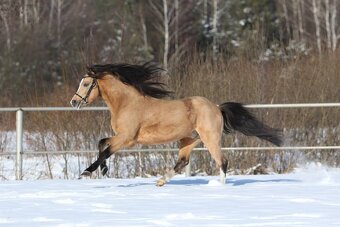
20 118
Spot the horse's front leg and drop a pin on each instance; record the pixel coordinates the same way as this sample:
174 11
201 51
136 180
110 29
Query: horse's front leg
104 153
102 145
107 147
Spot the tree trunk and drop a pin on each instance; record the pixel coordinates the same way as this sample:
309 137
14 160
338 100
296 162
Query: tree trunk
285 12
317 24
144 31
166 34
36 6
328 27
334 25
25 13
4 18
214 28
296 34
50 18
300 19
176 24
21 14
59 5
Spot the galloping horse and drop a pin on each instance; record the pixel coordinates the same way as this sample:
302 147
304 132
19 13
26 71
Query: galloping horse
139 115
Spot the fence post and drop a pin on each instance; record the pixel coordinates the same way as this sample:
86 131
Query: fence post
19 131
188 170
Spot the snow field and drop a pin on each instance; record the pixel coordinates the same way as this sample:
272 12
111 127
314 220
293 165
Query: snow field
308 197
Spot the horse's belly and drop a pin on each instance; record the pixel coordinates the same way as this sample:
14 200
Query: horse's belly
153 135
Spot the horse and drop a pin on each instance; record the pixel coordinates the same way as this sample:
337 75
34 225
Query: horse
141 114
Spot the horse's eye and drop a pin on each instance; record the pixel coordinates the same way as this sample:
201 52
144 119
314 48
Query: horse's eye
86 84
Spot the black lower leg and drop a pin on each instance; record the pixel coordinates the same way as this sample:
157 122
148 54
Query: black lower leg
181 163
224 166
102 145
104 168
101 158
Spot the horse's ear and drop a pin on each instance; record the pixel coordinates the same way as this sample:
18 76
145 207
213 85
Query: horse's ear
90 71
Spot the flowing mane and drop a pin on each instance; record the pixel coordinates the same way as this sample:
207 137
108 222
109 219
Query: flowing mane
142 77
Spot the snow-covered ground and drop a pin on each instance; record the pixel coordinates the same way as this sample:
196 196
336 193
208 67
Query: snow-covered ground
308 197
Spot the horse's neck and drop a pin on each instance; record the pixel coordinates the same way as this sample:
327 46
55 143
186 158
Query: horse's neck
118 96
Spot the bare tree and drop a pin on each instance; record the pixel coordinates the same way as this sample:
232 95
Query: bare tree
36 10
50 19
286 16
316 13
25 13
214 27
176 24
300 11
328 26
166 34
162 25
144 30
59 7
334 24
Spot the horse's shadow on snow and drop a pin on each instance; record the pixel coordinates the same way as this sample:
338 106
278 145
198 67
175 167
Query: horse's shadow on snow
198 181
183 182
229 181
240 182
188 182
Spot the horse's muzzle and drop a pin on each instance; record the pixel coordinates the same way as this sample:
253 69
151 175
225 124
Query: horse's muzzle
76 104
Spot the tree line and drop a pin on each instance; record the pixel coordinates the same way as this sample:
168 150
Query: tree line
45 44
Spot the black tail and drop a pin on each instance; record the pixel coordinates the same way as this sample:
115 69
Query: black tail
237 117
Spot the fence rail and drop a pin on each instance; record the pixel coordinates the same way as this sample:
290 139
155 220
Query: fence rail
176 149
20 117
97 108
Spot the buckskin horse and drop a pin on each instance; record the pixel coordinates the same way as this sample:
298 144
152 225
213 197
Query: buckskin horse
141 115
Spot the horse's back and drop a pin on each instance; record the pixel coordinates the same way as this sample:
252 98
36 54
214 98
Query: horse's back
169 120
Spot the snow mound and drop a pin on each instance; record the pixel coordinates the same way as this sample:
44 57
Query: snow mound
214 183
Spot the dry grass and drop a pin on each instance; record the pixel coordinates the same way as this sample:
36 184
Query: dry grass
302 80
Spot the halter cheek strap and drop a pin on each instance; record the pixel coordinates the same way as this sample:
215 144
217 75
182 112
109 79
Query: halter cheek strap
93 85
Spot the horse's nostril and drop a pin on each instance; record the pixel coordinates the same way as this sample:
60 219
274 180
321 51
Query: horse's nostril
73 103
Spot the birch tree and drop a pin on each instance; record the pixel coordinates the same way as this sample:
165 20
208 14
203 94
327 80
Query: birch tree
328 25
300 12
214 28
59 7
168 15
166 34
316 12
334 25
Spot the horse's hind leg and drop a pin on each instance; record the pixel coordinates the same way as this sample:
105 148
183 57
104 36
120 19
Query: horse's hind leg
185 147
213 142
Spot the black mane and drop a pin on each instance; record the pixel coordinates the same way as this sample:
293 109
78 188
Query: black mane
142 77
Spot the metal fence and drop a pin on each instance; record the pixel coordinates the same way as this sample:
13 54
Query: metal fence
20 118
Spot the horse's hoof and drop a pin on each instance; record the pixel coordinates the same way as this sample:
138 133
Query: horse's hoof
104 170
160 183
85 174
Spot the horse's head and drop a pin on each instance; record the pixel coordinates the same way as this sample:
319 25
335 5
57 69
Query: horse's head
87 92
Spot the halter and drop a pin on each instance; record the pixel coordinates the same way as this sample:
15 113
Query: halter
93 85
